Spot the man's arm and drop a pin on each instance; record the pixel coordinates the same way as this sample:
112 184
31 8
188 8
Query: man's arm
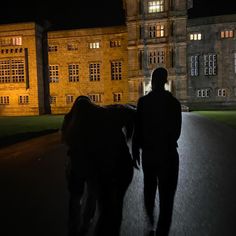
136 139
177 121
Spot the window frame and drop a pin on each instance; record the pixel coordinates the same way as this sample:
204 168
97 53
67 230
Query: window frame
95 97
54 73
116 70
94 71
73 72
157 6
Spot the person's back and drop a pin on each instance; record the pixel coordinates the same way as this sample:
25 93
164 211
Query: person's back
157 129
114 167
160 121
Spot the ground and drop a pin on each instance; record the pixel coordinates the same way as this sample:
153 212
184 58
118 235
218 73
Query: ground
34 198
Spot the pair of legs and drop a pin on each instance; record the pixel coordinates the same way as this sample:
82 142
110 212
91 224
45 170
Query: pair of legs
110 202
160 170
79 221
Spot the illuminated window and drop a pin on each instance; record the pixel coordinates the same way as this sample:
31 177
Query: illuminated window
11 41
72 46
160 31
4 100
221 92
69 99
203 93
157 31
94 71
96 97
194 65
73 72
195 36
52 48
53 99
12 71
24 99
115 43
116 70
210 64
17 41
156 57
155 6
53 74
94 45
117 97
227 34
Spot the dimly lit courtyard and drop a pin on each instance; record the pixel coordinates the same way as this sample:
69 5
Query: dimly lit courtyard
33 199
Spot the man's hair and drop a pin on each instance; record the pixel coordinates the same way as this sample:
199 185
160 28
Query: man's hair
159 77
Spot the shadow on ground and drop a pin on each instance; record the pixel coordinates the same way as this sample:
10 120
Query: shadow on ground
9 140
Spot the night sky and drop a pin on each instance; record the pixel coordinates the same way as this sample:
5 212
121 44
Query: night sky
212 7
68 13
91 13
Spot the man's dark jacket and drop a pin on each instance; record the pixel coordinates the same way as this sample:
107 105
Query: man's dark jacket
158 123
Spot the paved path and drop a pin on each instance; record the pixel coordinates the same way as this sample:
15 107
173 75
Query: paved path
33 198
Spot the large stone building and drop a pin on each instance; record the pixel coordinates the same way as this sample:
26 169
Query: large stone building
88 61
212 62
157 37
44 71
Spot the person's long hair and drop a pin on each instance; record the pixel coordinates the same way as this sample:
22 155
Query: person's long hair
80 106
81 102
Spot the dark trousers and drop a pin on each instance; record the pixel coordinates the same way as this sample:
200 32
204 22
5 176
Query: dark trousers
77 179
110 201
160 169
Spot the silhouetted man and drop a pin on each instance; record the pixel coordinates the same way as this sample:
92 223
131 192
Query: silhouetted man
158 127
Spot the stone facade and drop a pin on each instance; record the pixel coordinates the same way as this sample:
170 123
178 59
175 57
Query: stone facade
21 66
157 37
212 62
81 53
43 72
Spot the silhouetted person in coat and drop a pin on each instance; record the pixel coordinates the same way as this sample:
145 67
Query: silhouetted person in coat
115 166
157 129
76 130
99 156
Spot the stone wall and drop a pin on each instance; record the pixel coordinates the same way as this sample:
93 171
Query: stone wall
224 49
83 55
21 42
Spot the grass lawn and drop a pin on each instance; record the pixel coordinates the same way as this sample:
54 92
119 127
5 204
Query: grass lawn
14 129
226 117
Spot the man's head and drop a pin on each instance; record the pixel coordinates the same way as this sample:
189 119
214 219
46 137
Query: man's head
159 78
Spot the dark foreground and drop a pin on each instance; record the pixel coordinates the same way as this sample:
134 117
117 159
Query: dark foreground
33 195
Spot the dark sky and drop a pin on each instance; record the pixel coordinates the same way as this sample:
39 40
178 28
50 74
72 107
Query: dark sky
67 13
91 13
212 7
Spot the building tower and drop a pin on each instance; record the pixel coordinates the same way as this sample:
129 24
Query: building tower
156 37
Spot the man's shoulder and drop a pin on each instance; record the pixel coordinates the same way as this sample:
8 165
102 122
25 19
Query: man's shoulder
175 100
153 97
143 99
146 96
